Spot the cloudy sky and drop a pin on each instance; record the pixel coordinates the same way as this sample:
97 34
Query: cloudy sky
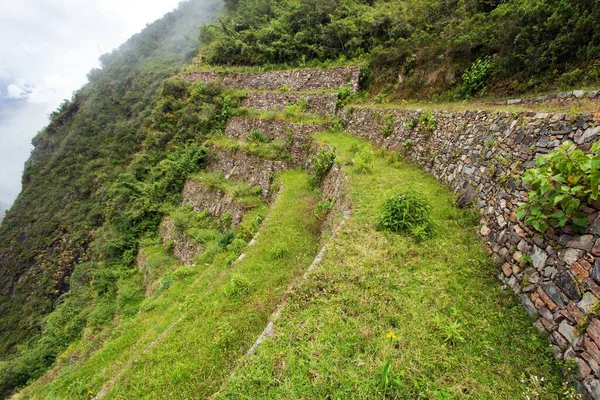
47 47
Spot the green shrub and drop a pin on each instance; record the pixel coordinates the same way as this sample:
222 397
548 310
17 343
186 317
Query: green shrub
475 78
323 209
408 144
363 161
237 287
256 136
428 121
561 182
412 123
388 128
302 104
408 212
322 164
344 96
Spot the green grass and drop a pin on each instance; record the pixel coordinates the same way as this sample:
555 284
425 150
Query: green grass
275 150
458 334
243 192
216 311
292 113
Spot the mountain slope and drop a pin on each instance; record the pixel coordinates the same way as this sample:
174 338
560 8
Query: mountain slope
67 184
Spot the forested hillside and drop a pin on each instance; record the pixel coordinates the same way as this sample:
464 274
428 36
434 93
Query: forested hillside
83 204
423 46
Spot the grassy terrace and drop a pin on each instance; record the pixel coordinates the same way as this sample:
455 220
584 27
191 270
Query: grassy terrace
458 334
204 320
573 108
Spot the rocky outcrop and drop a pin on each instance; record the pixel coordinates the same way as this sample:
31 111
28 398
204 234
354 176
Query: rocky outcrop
317 103
184 249
482 156
216 202
299 79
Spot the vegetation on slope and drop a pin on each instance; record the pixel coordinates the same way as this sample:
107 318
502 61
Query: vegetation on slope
433 308
220 306
436 46
96 181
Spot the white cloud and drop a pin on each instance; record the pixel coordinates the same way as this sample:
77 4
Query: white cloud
14 91
46 51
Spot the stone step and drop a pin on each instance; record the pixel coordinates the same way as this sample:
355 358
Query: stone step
299 79
203 196
323 104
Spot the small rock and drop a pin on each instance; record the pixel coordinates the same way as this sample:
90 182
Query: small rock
539 258
529 306
501 221
579 94
541 115
507 269
587 135
596 248
485 231
514 101
592 94
569 332
584 242
592 386
593 330
568 285
466 199
588 302
595 274
583 369
551 291
571 255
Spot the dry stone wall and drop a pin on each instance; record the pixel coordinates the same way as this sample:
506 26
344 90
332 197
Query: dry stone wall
556 99
482 156
216 202
318 103
237 164
299 79
298 134
184 249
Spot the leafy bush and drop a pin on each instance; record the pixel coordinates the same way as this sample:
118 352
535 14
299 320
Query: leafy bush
428 121
408 212
475 78
322 164
363 161
323 209
344 96
302 103
388 128
561 182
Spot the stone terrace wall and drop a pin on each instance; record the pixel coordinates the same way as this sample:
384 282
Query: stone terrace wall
336 189
482 155
318 103
216 202
185 250
300 79
241 128
242 166
558 99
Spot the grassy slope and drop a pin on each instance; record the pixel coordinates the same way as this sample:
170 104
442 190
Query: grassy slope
459 334
220 310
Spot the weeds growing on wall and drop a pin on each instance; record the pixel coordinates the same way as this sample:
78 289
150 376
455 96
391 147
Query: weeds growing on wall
561 182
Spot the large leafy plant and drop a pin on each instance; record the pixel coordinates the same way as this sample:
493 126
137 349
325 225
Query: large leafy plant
561 183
